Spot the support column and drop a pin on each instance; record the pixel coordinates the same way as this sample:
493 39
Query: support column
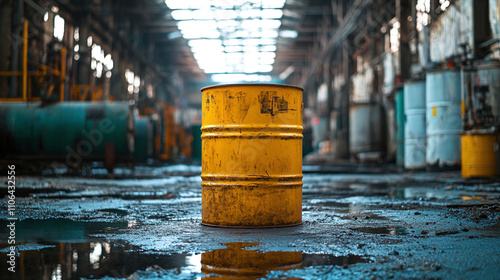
345 103
403 11
5 49
85 51
16 41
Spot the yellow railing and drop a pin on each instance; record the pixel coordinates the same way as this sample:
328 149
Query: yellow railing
42 71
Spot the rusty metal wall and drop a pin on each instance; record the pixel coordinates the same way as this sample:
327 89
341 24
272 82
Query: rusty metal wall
449 30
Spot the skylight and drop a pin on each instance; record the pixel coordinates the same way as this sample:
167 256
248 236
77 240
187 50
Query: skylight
233 40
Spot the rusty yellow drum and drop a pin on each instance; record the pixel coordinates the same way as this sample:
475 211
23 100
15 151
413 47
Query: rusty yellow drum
479 154
251 155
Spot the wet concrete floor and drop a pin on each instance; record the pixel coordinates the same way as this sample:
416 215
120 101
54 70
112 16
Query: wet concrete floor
145 224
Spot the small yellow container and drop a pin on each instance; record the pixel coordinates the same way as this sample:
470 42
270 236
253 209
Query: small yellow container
479 154
251 155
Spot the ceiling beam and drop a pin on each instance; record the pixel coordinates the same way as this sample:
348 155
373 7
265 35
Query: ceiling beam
348 25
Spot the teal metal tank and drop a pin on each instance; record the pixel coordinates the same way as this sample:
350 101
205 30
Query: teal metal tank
400 126
196 144
414 131
443 119
73 131
307 141
366 128
144 138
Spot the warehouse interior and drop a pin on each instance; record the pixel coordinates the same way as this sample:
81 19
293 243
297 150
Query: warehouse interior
169 139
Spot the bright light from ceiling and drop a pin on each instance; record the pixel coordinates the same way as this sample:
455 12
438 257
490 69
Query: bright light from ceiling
58 27
227 78
288 34
235 40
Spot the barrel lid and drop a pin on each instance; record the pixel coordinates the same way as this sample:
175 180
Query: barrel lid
251 84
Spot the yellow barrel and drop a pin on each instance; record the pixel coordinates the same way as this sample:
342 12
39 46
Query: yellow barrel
237 263
251 155
479 155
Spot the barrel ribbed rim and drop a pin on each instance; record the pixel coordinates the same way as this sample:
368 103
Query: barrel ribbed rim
256 131
251 84
251 226
280 181
251 128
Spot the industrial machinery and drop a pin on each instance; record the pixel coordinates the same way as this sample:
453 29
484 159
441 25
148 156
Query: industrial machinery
481 118
69 132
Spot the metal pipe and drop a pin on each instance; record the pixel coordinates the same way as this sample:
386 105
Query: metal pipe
425 46
62 73
466 100
25 59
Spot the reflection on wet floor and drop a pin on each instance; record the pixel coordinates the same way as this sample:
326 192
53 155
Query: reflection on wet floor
236 260
87 260
59 193
59 230
382 230
413 191
355 198
240 260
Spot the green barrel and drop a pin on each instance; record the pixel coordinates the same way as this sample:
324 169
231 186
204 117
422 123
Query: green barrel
144 140
70 130
400 127
196 144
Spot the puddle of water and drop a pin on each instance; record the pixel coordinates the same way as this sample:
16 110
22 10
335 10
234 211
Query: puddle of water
319 189
329 203
59 230
383 230
340 190
146 195
324 259
117 259
27 192
363 215
118 212
87 260
66 193
236 260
